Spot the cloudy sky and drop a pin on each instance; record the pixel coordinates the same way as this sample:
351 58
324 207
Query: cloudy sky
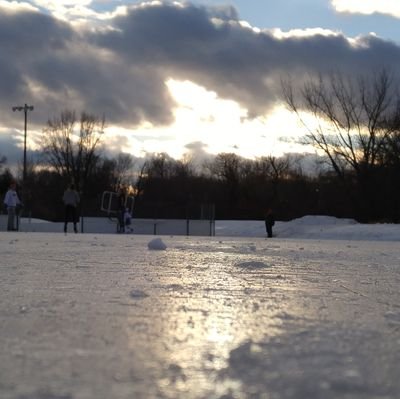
201 76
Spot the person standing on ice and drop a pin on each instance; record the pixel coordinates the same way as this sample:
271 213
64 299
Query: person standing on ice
11 201
121 198
71 200
128 221
269 221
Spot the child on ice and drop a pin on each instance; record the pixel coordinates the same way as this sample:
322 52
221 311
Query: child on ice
128 221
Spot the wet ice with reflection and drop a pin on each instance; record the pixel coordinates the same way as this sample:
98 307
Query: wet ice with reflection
203 319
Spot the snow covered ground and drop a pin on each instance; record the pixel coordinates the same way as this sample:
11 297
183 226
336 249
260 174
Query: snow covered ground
312 227
313 313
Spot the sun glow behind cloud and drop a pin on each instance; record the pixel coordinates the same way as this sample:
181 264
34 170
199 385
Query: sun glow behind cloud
221 125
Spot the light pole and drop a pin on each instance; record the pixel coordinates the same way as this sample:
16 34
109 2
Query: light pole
24 108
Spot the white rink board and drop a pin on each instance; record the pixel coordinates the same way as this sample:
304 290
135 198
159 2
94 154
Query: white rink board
109 226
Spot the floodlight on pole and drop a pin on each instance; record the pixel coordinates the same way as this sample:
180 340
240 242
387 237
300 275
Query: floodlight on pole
24 108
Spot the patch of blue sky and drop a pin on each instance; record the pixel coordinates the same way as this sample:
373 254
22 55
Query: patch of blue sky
303 14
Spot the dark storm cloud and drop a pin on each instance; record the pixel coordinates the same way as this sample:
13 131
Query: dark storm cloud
26 39
121 72
233 60
10 147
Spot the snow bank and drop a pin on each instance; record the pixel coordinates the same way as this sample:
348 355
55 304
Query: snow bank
312 227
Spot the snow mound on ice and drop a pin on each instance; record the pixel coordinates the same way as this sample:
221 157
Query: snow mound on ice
157 244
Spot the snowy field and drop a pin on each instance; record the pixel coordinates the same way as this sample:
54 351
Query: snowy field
313 313
312 227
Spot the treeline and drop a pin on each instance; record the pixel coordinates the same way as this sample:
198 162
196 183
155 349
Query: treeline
242 188
227 187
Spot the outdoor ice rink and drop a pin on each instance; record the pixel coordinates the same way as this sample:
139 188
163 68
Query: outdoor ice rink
102 316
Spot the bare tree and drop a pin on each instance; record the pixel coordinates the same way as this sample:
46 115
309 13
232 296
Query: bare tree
123 171
353 126
185 167
160 165
71 146
228 168
350 117
140 180
274 168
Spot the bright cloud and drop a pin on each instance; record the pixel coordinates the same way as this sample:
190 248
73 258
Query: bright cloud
16 6
279 34
221 125
78 12
389 7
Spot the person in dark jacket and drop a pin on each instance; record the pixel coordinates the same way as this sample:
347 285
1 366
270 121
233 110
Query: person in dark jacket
269 221
121 198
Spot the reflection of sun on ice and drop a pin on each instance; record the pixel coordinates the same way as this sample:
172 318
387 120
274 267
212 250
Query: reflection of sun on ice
218 336
220 331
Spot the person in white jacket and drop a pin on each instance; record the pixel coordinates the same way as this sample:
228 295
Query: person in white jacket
71 200
11 201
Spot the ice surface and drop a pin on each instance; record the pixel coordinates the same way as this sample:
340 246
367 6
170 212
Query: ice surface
103 317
